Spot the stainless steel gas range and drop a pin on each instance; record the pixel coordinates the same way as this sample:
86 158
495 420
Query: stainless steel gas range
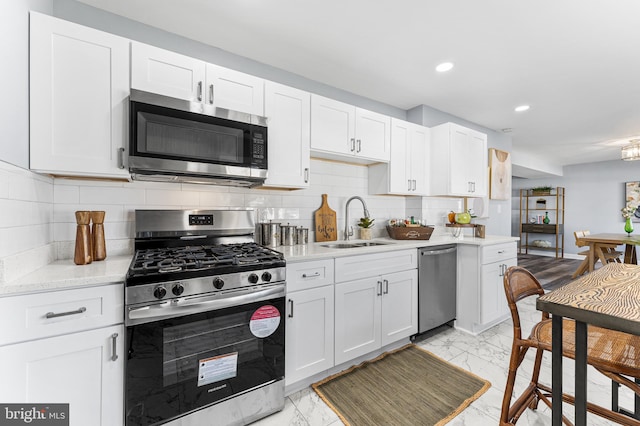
204 320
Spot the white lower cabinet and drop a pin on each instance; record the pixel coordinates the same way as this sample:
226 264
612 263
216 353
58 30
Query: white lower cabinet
310 319
373 312
481 300
77 369
70 350
376 302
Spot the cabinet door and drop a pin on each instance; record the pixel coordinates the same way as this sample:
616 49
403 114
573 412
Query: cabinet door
234 90
468 155
418 160
79 84
167 73
493 302
373 135
309 333
399 306
400 180
332 126
357 316
77 369
289 113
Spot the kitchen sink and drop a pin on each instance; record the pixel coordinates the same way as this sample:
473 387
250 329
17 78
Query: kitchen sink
370 243
340 245
353 245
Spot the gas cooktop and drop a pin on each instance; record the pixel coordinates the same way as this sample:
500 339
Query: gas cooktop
176 263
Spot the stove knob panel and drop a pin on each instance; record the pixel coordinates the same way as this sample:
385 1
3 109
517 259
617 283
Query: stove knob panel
253 278
218 283
266 276
159 292
177 289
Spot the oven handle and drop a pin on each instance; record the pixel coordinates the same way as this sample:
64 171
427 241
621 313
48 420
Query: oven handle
181 307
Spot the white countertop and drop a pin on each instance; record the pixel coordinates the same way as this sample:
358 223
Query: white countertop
64 274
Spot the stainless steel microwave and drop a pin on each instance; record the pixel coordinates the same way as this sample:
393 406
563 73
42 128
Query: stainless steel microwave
174 140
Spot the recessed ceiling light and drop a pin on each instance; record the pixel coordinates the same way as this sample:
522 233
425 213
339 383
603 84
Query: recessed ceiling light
507 130
522 108
444 67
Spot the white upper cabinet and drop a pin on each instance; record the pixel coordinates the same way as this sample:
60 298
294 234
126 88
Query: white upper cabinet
288 111
343 132
407 172
79 88
459 165
171 74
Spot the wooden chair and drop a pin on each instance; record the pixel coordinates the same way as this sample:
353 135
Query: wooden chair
609 254
612 353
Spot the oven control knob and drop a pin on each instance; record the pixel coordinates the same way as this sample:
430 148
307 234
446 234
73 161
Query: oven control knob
159 292
218 283
177 289
266 276
253 278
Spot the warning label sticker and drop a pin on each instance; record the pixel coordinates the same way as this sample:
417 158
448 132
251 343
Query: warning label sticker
217 368
264 321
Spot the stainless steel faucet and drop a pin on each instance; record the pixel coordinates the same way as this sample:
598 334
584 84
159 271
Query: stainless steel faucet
348 230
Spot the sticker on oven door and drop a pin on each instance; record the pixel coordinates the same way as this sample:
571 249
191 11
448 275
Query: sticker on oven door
264 321
217 368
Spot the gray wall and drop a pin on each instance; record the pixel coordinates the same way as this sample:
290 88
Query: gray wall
594 195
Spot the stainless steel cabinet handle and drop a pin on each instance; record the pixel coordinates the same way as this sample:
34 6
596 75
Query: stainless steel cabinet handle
414 184
359 146
121 158
211 93
386 286
315 274
473 187
353 144
199 90
114 348
500 251
379 288
408 184
49 315
290 308
306 175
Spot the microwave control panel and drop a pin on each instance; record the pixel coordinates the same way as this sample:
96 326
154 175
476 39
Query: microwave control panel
259 151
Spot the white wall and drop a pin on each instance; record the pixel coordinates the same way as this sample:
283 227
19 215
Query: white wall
594 197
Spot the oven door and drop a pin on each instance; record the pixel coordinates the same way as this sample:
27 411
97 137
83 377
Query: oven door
179 365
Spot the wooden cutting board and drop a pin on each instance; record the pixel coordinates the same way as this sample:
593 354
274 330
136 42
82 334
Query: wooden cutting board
325 222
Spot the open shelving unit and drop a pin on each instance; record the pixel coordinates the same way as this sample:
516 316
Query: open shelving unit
534 205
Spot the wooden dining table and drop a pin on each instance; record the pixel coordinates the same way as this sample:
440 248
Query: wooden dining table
597 241
609 298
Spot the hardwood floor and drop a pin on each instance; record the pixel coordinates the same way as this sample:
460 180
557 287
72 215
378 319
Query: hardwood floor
551 272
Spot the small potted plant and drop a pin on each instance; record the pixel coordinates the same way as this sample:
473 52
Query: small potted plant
541 190
365 224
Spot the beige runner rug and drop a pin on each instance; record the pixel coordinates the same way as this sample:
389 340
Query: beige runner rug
409 386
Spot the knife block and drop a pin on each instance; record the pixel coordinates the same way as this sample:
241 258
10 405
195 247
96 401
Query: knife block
82 254
99 250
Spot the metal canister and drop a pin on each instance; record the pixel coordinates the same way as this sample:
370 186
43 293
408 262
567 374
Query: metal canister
288 235
303 235
271 234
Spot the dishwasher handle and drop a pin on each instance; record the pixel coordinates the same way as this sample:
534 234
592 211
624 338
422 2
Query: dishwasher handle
435 252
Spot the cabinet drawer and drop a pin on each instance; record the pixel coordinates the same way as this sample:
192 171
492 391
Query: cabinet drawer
370 265
542 228
305 275
35 316
498 252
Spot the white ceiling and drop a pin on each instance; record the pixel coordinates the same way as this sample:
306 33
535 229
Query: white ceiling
575 62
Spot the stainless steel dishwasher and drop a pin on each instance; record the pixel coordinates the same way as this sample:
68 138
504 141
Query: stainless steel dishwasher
436 286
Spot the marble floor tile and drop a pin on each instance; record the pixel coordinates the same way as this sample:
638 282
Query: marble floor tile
486 355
